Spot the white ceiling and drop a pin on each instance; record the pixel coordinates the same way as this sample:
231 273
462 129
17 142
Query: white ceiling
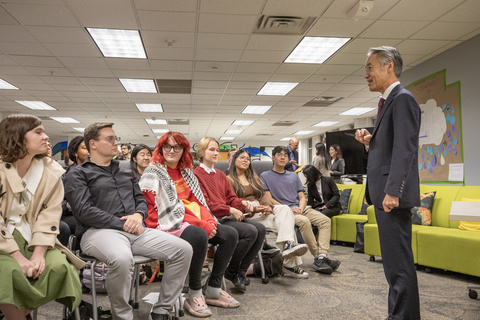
46 51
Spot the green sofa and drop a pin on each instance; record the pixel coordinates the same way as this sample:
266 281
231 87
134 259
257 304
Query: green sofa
441 245
344 226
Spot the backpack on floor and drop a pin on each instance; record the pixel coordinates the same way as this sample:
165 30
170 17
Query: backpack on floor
100 276
272 262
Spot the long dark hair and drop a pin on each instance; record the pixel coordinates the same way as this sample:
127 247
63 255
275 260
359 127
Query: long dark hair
13 129
133 164
322 153
251 176
312 174
338 151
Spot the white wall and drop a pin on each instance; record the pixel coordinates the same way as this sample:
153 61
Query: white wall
461 64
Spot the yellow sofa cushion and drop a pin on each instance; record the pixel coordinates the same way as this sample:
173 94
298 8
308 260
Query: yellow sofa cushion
469 225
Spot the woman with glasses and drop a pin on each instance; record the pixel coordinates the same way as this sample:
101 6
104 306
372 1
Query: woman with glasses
34 267
229 209
176 205
140 159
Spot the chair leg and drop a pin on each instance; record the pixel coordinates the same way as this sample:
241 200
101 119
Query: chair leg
34 314
133 301
94 291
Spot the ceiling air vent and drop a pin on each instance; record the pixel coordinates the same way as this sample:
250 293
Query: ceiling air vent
174 86
283 24
264 135
322 101
178 121
284 123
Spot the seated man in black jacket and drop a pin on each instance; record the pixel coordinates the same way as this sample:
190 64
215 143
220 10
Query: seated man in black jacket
110 208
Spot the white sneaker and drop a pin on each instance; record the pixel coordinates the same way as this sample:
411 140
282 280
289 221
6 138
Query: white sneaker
296 273
294 250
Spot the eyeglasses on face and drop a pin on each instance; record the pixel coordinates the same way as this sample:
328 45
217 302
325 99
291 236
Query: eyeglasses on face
244 158
281 155
176 148
112 139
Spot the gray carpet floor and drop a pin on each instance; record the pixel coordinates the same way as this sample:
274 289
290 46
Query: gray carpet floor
357 290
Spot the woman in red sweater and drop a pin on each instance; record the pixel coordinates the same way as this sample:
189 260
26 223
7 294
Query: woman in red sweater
229 209
176 205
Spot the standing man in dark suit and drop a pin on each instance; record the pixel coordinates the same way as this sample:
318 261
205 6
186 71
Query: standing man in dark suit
393 182
292 163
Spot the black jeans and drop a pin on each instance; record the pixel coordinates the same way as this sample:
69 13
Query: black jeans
198 239
226 240
251 237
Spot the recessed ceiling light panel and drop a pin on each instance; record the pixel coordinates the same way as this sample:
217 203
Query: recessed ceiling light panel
139 85
156 121
256 109
316 49
227 138
242 122
356 111
5 85
302 132
79 129
149 107
233 131
117 43
277 88
325 123
160 131
64 119
36 105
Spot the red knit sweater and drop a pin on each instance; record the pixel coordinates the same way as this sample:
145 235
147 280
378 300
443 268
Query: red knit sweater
218 192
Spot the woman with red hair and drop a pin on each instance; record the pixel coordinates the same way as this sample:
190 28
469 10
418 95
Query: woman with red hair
176 205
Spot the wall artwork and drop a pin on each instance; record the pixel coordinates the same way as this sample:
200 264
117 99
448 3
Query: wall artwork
440 154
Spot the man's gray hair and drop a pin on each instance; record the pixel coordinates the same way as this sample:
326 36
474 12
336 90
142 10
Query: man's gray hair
386 54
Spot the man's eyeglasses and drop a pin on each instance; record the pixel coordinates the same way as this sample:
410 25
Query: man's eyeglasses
176 148
112 139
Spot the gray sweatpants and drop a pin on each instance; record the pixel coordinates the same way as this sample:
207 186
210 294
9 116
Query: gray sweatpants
116 248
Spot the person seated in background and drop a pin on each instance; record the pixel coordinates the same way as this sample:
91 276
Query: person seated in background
230 154
322 159
229 209
337 167
34 268
279 218
285 187
125 148
176 205
140 159
110 208
77 152
322 191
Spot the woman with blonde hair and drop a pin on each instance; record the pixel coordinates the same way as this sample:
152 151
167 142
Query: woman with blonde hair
34 268
229 210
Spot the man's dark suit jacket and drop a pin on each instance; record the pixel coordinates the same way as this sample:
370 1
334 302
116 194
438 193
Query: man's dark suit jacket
390 170
295 155
330 195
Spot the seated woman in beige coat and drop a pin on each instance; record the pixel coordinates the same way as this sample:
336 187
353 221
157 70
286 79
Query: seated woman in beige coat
33 271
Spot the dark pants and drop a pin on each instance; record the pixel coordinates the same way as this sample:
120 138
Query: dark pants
330 212
251 236
226 239
395 231
197 237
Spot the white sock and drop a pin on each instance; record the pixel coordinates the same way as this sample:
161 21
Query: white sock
194 294
212 293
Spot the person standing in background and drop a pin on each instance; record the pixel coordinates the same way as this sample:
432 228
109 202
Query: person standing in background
337 168
322 159
292 163
392 177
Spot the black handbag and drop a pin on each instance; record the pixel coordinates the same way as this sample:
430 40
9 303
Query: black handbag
360 241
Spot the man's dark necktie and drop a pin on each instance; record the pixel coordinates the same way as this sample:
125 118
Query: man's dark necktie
381 102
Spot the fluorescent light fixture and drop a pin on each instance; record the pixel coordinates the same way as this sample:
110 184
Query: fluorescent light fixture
156 121
5 85
79 129
256 109
303 132
117 43
242 122
356 111
36 105
139 85
277 88
227 138
325 123
233 131
160 130
149 107
285 139
315 49
64 119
